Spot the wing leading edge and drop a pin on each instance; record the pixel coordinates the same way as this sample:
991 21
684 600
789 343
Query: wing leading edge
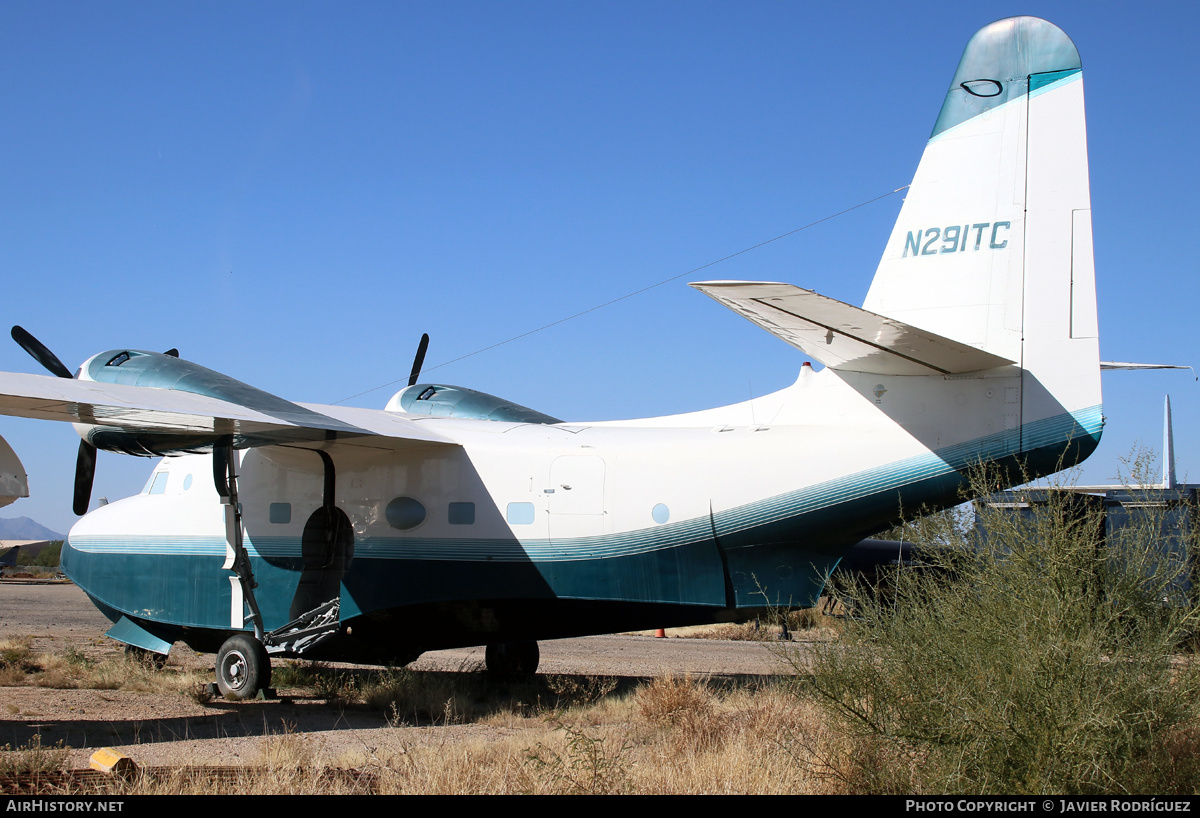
195 420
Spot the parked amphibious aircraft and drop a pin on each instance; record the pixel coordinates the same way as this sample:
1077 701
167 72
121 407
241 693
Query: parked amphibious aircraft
451 517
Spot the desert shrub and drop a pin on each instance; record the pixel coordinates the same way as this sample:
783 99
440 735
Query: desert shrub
671 700
684 711
569 690
588 763
1035 659
17 653
33 757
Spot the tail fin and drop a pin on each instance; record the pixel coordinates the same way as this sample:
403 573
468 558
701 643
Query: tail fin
993 246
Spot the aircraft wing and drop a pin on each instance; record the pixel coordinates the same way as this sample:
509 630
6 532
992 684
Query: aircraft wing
175 412
842 336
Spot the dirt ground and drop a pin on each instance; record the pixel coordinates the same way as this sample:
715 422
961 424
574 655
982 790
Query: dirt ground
158 729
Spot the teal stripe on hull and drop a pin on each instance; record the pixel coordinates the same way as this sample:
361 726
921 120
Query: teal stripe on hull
193 591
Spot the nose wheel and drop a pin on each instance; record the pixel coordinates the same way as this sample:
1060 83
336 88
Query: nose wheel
243 667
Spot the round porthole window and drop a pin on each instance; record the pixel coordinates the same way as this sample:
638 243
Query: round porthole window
187 482
404 513
660 513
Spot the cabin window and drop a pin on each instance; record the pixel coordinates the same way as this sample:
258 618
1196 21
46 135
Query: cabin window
404 513
187 482
158 483
520 514
462 514
280 513
660 513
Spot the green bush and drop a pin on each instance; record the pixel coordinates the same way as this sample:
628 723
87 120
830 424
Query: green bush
1036 659
49 556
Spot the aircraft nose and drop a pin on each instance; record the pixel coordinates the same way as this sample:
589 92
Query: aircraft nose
64 558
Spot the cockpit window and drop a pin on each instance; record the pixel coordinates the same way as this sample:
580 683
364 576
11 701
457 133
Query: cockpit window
118 359
158 484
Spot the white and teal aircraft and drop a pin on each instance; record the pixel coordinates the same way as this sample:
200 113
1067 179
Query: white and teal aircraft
454 518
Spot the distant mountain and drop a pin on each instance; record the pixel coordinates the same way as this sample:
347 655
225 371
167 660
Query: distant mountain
23 528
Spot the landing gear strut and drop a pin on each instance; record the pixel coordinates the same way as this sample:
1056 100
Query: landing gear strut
244 663
243 667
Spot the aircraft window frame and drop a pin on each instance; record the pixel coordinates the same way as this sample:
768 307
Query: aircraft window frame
158 483
522 513
461 513
405 513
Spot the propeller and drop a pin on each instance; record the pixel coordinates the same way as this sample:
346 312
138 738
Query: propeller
85 461
417 362
40 353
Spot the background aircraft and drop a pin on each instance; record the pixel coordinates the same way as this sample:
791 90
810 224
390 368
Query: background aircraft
14 483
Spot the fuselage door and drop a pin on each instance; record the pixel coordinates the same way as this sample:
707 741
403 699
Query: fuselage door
575 497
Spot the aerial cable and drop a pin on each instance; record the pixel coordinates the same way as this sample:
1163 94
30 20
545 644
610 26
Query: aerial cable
647 288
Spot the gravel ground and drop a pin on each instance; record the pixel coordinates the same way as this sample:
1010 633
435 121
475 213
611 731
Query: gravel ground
157 729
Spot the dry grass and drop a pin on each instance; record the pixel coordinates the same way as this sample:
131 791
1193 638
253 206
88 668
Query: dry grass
466 735
16 659
804 625
72 669
34 757
461 733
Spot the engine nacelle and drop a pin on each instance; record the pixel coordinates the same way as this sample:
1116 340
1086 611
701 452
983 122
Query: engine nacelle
135 367
444 401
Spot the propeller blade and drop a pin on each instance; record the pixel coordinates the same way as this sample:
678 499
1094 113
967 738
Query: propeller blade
85 461
85 473
420 359
40 353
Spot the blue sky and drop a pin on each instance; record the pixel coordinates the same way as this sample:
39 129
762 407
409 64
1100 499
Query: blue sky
292 193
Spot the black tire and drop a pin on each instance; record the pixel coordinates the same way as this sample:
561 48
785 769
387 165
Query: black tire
146 658
512 660
243 667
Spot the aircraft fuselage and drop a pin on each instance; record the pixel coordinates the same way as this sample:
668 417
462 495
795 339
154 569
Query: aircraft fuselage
536 531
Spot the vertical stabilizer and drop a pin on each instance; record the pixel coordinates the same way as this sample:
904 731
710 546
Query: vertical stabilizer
993 246
14 483
1168 447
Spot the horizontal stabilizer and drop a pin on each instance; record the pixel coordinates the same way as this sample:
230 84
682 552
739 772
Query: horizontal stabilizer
842 336
1107 365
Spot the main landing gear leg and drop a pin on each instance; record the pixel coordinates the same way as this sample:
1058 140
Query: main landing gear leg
243 667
